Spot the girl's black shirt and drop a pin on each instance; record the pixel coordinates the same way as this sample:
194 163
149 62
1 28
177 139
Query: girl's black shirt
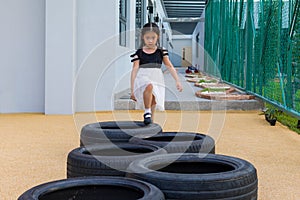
150 60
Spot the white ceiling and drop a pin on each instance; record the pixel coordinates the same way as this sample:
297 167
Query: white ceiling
183 9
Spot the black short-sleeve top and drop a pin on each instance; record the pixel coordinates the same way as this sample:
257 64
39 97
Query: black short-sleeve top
150 60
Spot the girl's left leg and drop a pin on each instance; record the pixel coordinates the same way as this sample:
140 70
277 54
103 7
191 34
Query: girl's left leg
148 98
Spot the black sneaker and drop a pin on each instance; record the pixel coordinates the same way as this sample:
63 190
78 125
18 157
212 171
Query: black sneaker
147 118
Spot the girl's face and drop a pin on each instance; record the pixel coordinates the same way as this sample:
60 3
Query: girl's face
150 39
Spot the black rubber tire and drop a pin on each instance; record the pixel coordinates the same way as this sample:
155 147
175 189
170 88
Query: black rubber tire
107 159
178 142
115 131
94 188
198 176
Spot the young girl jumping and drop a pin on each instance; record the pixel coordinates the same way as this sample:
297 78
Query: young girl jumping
147 81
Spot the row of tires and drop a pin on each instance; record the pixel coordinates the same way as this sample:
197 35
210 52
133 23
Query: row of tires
191 177
128 160
113 159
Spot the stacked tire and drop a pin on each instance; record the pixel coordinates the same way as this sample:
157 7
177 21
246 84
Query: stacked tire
107 159
178 142
105 149
193 176
115 131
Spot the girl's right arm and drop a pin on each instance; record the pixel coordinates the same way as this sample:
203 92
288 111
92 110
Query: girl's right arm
134 71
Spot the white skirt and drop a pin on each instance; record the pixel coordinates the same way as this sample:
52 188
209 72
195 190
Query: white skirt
144 77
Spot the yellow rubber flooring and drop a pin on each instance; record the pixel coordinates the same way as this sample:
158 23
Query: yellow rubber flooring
34 147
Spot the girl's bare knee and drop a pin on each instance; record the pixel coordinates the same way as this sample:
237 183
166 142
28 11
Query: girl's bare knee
149 87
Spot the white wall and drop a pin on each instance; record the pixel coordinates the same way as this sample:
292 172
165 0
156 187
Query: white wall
22 54
122 60
102 61
198 60
179 42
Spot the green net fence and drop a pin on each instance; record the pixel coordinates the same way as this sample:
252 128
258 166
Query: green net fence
255 45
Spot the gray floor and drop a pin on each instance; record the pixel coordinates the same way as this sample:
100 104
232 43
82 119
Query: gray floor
187 100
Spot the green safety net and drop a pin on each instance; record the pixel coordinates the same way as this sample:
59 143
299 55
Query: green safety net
255 45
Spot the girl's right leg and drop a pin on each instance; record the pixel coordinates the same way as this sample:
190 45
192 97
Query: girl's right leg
153 107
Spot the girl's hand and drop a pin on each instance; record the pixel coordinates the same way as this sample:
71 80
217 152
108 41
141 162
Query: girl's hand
179 86
132 97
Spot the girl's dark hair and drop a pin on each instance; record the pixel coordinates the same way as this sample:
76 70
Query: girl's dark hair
149 27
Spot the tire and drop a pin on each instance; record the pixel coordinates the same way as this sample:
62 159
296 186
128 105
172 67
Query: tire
115 131
92 188
178 142
198 176
107 159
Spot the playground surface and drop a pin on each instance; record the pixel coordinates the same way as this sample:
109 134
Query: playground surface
34 147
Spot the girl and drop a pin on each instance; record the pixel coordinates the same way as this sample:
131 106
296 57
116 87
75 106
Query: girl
147 81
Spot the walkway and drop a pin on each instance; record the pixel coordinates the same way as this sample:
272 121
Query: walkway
186 100
34 148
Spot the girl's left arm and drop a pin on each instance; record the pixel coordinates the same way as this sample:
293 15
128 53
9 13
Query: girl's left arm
173 72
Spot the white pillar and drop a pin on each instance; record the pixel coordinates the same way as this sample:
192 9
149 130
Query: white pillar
97 44
60 58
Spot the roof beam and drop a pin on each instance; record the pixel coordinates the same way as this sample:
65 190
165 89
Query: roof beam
184 19
184 8
185 13
184 5
184 2
171 15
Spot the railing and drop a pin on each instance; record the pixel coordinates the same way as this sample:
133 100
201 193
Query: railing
255 45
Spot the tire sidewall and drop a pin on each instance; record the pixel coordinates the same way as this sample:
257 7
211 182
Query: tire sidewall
150 191
115 131
80 163
202 143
